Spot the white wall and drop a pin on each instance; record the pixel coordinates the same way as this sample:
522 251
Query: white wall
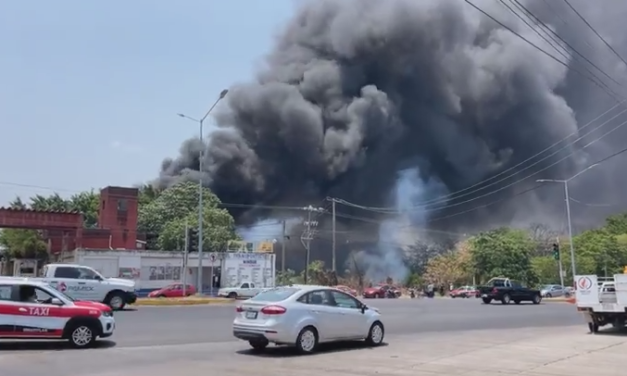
149 269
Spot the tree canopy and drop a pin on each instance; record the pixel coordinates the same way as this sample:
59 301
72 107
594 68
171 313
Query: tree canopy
162 215
526 255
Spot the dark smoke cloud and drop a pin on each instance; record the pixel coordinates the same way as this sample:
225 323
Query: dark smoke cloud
357 90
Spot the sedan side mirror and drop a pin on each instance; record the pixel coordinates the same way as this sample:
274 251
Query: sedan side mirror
364 308
56 301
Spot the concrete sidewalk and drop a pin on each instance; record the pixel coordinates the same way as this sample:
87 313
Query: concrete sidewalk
524 352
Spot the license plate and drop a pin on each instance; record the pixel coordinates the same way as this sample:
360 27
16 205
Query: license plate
484 295
251 315
607 306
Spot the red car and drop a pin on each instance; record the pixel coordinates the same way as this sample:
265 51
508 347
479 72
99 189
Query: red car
174 290
347 290
382 291
464 292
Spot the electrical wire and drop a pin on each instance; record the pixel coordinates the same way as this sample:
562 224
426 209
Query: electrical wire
553 35
448 197
581 17
424 207
610 93
591 205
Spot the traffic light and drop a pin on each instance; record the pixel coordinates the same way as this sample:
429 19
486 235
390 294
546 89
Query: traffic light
556 251
192 239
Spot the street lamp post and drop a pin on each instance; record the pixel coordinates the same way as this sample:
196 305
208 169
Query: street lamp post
568 216
200 122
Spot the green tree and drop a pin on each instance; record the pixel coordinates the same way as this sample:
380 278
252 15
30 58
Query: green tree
168 213
503 252
547 269
147 194
616 224
20 243
602 252
218 230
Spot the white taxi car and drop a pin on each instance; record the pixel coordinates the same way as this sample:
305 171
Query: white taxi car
34 310
305 316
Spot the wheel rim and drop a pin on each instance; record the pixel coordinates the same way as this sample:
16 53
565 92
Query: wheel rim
506 298
81 336
116 302
537 299
376 334
307 340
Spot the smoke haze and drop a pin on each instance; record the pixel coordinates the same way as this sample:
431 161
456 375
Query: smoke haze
356 91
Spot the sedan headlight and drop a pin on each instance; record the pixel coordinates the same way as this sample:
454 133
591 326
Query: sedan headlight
107 313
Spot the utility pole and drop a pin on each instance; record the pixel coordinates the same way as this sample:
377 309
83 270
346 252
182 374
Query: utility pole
185 253
308 234
283 249
559 262
333 256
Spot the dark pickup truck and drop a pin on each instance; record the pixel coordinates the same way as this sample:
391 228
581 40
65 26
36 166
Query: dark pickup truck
506 291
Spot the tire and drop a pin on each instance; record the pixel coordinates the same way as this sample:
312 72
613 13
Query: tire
536 299
161 296
307 340
453 296
594 328
82 335
486 300
258 345
506 299
516 301
375 334
115 300
548 296
232 295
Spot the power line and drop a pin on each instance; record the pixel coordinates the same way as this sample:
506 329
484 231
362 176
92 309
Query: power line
591 205
608 92
553 35
595 31
423 207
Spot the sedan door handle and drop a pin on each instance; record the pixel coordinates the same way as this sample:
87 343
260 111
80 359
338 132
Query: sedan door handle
23 310
81 283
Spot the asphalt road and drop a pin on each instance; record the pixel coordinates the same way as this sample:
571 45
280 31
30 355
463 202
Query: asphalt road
159 341
209 324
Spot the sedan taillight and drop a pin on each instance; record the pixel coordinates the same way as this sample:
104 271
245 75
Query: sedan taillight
239 309
273 310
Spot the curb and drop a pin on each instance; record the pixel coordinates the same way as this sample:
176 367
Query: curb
180 301
559 300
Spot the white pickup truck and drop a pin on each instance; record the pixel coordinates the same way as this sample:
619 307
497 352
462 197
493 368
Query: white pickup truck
244 291
84 283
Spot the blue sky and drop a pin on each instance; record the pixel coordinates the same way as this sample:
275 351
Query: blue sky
89 90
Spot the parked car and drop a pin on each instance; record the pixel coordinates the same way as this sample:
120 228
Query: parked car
305 316
506 291
464 292
381 291
244 291
347 290
174 290
552 291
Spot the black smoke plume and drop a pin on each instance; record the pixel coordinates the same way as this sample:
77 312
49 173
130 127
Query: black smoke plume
355 91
